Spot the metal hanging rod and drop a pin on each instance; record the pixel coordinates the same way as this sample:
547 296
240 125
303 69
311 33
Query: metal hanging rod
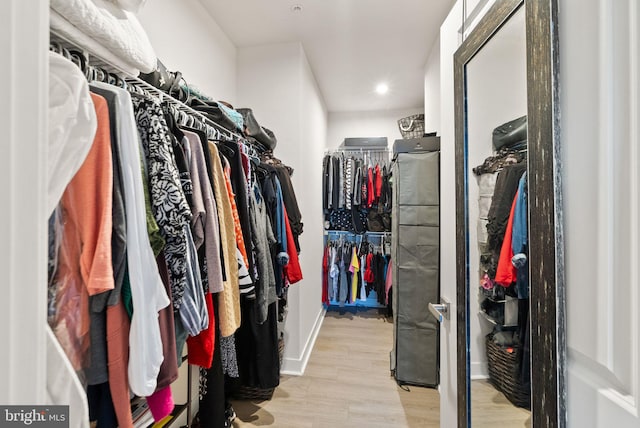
220 131
346 232
357 150
380 155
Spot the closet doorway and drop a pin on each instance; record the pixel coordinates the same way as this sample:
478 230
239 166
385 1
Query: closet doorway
380 356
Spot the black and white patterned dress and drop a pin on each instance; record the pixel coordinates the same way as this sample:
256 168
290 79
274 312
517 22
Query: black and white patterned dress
168 202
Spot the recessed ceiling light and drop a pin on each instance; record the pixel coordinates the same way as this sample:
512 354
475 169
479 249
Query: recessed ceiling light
296 8
382 88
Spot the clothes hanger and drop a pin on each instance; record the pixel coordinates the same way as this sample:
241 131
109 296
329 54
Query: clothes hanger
226 150
196 124
111 79
131 87
171 121
199 124
79 60
211 133
250 152
55 46
94 74
136 90
66 54
100 75
180 118
123 83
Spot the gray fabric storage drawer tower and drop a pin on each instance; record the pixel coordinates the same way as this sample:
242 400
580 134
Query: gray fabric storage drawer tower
416 266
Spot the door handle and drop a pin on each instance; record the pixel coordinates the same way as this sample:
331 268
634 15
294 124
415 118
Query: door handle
440 310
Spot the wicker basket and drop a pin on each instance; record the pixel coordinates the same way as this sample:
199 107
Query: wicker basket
251 393
412 126
243 392
504 373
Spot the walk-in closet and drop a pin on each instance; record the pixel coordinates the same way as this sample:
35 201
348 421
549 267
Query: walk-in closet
224 237
314 214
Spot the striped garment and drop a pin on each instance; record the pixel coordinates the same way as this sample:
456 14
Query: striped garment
348 183
247 289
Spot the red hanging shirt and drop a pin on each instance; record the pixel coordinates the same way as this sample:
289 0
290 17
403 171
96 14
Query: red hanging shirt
370 190
506 272
292 271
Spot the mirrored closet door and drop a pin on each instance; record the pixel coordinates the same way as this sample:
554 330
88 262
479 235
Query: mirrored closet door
508 242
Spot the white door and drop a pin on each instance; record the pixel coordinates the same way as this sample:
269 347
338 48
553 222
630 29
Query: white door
449 42
600 81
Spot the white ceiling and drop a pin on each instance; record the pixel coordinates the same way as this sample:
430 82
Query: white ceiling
352 45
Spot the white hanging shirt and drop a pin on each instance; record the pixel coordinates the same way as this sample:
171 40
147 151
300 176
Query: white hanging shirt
72 125
72 128
147 290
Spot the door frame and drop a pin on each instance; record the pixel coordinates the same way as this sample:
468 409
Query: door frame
24 31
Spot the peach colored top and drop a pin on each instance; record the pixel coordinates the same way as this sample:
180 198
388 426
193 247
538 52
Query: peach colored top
85 266
89 197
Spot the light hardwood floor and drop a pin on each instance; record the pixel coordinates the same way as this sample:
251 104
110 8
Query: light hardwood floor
347 383
491 409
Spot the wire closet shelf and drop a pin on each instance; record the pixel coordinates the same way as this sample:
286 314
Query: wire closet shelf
96 68
380 155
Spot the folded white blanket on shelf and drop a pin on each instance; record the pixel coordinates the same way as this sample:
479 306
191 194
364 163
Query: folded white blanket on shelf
130 5
104 29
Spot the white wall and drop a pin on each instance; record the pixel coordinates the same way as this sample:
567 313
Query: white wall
277 83
308 182
269 83
432 89
366 124
449 42
187 39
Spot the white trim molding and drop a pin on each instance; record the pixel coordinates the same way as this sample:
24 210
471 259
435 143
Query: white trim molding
24 38
297 366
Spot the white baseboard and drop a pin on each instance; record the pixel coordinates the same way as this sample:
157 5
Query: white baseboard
297 366
479 370
479 377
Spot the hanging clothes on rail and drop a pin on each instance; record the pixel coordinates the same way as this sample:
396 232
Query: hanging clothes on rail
169 203
85 263
290 201
165 237
354 271
356 191
502 239
105 392
229 298
498 215
72 126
